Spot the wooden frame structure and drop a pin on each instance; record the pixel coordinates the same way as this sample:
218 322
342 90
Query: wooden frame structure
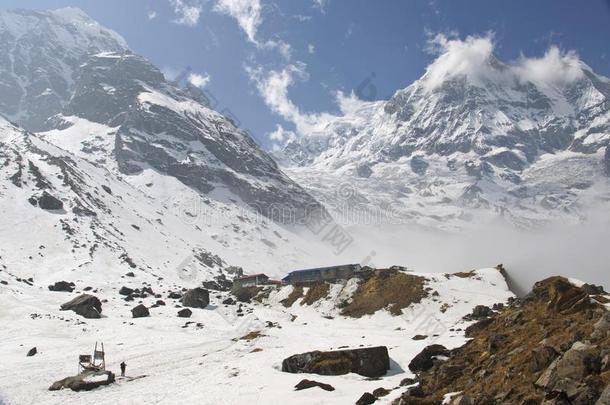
97 362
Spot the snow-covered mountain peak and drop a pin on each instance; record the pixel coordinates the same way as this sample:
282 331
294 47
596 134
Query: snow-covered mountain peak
469 133
42 51
70 27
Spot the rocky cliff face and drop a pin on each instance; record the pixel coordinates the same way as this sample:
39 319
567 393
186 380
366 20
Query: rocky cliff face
551 347
41 53
65 69
128 171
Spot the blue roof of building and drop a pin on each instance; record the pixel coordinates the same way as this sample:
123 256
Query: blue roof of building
316 269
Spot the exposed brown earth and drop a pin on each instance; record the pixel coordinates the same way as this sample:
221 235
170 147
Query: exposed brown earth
297 292
465 274
389 289
245 294
551 347
315 293
252 335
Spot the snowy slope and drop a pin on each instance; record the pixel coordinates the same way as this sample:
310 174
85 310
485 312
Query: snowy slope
473 138
150 177
110 224
186 365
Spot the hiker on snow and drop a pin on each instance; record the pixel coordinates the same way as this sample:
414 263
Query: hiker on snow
123 366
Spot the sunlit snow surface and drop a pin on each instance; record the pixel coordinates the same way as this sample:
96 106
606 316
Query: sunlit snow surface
205 365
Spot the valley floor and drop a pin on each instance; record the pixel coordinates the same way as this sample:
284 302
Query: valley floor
210 364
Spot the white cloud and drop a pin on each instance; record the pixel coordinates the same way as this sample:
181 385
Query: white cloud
350 30
283 48
311 48
320 5
273 87
188 11
281 134
152 15
554 67
469 57
248 15
473 58
302 18
349 104
246 12
199 80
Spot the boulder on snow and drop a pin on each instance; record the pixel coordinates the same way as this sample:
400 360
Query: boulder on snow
368 362
305 384
425 359
366 399
85 381
381 392
140 311
174 295
126 291
85 305
62 286
49 202
185 313
32 352
196 298
481 311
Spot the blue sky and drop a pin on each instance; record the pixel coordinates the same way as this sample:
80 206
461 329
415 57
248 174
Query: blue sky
268 62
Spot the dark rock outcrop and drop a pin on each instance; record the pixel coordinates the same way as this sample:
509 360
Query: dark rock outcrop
369 362
140 311
546 348
306 384
85 305
84 382
174 295
366 399
542 357
481 311
420 337
566 373
185 313
381 392
593 289
62 286
49 202
425 359
475 327
196 298
126 291
32 352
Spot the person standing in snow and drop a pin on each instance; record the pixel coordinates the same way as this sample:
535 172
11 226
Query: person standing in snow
123 366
